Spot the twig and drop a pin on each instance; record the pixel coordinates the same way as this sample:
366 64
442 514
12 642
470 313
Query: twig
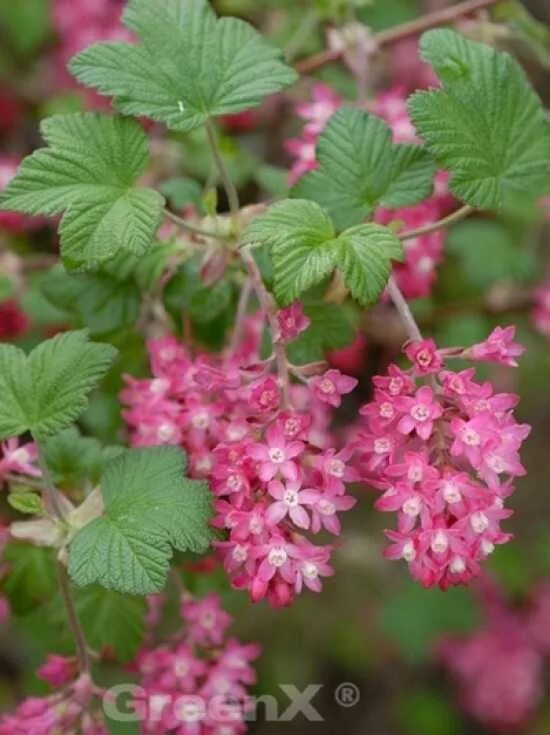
456 216
72 617
242 309
400 303
392 35
191 228
267 302
52 493
228 185
63 578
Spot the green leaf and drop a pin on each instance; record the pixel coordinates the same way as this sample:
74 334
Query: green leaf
360 168
149 507
209 302
74 459
46 390
489 251
331 328
365 256
89 171
101 302
305 249
486 125
303 245
189 65
183 191
25 501
32 579
111 620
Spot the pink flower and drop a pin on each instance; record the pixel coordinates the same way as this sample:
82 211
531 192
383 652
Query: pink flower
425 356
57 670
292 321
325 507
499 347
19 459
331 386
290 501
276 455
421 412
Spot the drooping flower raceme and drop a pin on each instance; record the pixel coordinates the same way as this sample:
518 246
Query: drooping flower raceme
444 451
497 669
274 469
199 682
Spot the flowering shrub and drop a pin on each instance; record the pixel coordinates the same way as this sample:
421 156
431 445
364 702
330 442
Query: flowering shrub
233 336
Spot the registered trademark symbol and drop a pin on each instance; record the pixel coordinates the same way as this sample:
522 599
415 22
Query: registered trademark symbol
347 694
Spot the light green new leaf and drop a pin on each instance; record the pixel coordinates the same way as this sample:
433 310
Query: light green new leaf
46 390
89 171
486 125
365 256
305 249
189 65
150 506
360 168
302 240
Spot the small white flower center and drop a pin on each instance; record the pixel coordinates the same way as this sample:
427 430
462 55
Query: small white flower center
290 498
440 543
408 553
382 445
166 431
277 456
200 420
451 494
20 455
457 565
336 468
471 437
420 412
310 570
412 506
327 508
386 410
395 386
277 556
240 553
479 522
327 386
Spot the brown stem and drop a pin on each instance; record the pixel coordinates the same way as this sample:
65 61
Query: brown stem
456 216
267 302
400 303
72 617
242 310
392 35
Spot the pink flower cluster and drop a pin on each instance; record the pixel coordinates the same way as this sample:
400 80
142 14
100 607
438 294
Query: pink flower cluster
198 684
541 311
66 711
16 459
498 670
273 468
444 450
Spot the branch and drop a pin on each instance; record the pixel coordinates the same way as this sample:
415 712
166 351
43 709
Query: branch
72 617
407 317
192 228
393 35
228 185
456 216
267 302
54 495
